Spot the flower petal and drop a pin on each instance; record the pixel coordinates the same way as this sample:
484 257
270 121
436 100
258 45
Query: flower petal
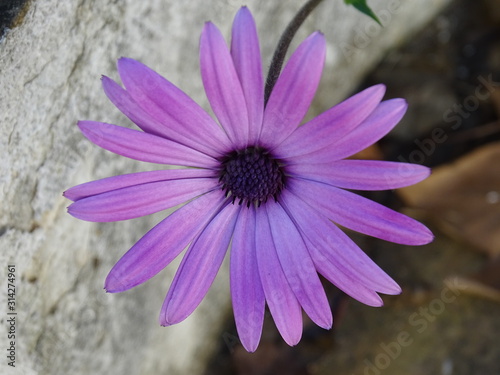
122 100
294 91
280 298
126 180
332 124
140 200
378 124
383 119
199 267
177 116
141 146
246 288
245 52
360 214
362 174
344 281
298 266
222 85
157 248
337 257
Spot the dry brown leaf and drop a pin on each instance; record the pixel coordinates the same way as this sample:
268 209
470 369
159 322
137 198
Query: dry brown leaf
485 283
464 198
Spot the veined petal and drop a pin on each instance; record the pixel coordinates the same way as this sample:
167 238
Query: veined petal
199 267
334 252
344 281
378 124
140 200
294 91
298 267
141 146
280 298
126 180
331 125
177 116
157 248
383 119
122 99
222 85
246 288
245 52
360 214
362 174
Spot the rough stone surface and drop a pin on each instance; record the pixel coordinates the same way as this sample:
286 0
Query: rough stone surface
50 66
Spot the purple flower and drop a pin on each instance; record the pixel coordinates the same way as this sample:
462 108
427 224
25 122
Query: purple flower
259 179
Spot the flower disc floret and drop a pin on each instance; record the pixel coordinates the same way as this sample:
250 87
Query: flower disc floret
251 175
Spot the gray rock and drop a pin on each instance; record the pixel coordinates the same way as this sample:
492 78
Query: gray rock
50 65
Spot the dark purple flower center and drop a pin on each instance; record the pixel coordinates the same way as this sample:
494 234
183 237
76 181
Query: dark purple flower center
251 175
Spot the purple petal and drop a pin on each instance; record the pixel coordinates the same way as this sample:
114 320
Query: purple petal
222 85
280 298
378 124
246 287
362 174
245 52
383 119
360 214
332 124
176 116
298 266
345 282
157 248
126 180
337 257
199 267
122 100
141 146
294 91
140 200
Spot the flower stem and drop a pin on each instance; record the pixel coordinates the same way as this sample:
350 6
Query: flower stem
284 43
